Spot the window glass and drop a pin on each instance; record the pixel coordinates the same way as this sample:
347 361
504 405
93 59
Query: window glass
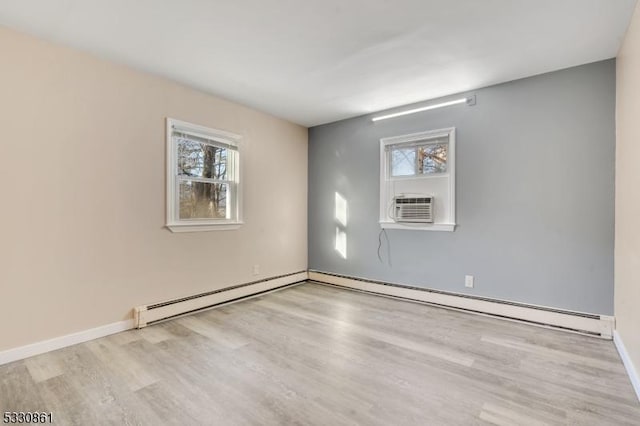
403 162
202 160
203 200
432 158
419 159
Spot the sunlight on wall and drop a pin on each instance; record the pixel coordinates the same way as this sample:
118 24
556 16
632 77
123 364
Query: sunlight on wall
341 219
341 209
341 242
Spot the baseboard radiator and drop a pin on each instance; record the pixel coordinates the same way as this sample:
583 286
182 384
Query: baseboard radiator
591 324
150 314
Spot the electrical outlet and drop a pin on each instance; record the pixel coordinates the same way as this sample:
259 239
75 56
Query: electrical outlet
256 269
468 281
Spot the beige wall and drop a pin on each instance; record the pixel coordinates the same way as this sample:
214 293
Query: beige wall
82 176
627 249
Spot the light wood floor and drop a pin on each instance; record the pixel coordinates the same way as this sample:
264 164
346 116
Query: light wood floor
314 354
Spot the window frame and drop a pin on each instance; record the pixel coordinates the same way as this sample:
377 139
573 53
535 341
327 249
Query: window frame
234 182
387 186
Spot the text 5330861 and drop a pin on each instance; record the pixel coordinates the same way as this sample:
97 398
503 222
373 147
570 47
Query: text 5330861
27 417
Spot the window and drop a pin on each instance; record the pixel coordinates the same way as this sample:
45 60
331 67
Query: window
203 184
419 164
423 158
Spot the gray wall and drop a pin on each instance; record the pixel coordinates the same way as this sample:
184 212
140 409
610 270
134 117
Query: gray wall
535 188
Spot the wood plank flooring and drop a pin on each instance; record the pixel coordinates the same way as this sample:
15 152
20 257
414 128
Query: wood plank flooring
319 355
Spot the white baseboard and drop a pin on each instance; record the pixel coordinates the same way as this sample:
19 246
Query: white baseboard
38 348
599 325
628 365
143 315
595 325
242 291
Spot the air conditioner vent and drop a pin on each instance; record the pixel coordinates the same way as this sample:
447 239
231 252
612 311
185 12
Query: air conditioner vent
413 209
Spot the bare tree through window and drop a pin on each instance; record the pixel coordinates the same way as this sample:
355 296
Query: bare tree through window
432 158
204 196
423 159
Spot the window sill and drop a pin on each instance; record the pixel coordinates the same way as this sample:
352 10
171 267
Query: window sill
202 227
448 227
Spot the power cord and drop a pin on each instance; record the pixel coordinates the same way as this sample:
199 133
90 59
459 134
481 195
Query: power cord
384 231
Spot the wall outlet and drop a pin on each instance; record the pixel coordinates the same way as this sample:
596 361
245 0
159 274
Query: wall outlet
468 281
256 269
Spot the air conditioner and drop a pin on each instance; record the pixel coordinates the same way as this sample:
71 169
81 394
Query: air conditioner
417 209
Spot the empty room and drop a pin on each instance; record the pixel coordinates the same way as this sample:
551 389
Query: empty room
413 212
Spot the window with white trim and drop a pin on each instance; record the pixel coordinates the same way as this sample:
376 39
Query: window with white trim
419 165
203 178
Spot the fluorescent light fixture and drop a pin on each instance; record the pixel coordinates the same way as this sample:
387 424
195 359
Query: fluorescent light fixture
425 108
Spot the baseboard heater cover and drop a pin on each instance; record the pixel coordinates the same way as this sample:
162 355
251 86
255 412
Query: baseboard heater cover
149 314
592 324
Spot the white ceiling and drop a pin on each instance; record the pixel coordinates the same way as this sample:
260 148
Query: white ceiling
314 62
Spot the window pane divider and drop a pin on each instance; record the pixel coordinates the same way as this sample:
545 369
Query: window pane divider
203 180
420 176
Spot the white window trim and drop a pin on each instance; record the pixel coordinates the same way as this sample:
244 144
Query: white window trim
449 227
385 178
173 222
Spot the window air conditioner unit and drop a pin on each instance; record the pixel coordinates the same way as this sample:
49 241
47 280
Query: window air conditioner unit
416 209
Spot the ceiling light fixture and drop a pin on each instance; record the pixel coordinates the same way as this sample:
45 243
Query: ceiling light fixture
468 101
